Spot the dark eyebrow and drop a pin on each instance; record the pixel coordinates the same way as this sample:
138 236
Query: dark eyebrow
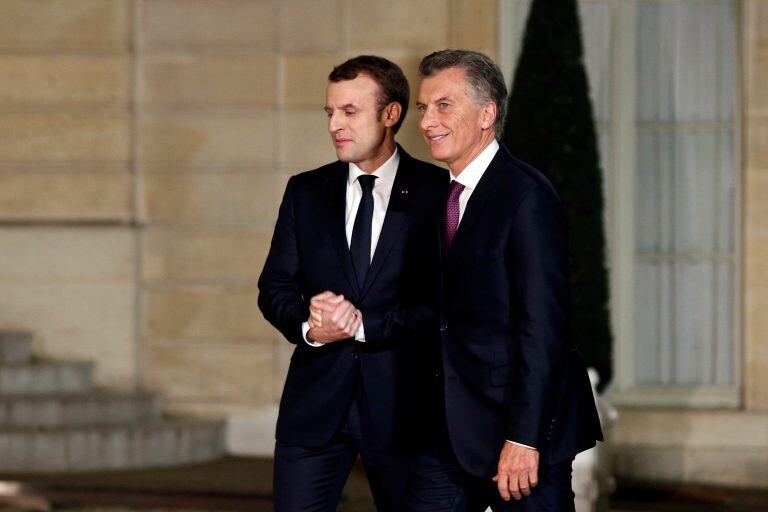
342 107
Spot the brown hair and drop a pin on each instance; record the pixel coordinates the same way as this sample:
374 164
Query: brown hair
392 82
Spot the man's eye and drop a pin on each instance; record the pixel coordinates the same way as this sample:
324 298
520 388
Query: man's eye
443 105
349 113
421 108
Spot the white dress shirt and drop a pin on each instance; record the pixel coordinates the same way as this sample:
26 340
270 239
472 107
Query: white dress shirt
382 190
469 177
472 174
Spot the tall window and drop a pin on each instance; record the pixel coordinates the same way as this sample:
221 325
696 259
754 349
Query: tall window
663 77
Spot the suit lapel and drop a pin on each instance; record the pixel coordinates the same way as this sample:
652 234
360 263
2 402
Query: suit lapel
397 211
475 205
336 196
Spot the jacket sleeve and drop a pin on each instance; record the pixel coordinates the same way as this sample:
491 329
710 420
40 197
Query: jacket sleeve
386 327
537 256
414 313
280 295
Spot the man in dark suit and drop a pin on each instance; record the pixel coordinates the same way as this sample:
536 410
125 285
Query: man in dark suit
515 402
350 237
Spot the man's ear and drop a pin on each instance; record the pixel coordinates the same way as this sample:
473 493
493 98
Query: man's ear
489 115
392 113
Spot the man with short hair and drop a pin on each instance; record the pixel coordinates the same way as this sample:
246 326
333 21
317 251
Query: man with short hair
349 239
515 403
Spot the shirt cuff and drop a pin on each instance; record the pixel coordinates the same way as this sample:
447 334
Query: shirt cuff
304 331
360 332
521 444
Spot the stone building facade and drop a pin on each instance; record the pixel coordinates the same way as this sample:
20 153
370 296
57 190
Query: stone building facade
144 148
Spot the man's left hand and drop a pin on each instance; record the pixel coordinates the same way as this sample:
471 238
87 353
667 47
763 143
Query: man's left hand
517 471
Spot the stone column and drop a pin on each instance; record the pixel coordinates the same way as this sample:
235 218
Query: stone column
755 210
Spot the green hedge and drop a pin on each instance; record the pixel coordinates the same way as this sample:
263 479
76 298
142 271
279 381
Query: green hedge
550 125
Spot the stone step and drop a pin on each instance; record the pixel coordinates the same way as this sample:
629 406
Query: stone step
15 347
46 378
63 410
128 446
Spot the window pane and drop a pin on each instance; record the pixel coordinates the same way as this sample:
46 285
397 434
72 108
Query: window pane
647 323
701 210
686 60
723 364
692 287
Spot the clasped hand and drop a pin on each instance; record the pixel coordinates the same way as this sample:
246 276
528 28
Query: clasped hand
332 318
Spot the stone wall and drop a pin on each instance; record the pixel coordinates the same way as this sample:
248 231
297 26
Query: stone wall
67 248
144 147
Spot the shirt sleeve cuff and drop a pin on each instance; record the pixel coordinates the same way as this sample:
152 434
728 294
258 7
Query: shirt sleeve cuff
360 332
304 331
521 444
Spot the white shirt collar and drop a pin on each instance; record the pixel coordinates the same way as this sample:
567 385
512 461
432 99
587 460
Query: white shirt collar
474 171
386 172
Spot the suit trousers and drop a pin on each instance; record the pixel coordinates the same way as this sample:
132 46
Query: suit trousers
312 479
438 483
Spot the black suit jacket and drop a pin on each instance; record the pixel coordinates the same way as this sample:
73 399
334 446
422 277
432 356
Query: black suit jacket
309 254
510 371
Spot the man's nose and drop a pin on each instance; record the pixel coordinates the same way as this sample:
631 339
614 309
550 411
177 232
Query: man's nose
334 122
427 120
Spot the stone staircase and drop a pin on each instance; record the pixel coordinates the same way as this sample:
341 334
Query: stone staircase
53 420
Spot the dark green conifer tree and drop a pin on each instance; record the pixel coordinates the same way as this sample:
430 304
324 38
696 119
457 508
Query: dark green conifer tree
551 126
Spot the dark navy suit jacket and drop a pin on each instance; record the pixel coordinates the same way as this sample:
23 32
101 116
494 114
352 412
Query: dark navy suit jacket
510 371
309 254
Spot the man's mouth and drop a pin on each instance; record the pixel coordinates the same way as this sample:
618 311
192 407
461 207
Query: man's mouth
437 138
341 142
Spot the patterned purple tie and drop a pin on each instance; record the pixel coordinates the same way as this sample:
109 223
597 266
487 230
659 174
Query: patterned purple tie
451 219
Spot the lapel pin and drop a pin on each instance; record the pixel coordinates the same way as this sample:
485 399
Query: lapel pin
404 192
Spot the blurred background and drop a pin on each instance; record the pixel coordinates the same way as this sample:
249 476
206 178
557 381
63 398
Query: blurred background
144 149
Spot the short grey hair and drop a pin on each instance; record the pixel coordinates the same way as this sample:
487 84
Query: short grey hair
484 76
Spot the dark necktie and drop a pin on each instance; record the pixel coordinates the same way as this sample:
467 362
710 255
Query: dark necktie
451 219
360 246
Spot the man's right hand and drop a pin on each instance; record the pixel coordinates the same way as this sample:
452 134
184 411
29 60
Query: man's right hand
332 318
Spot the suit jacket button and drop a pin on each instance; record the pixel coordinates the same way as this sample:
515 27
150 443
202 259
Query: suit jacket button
443 327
